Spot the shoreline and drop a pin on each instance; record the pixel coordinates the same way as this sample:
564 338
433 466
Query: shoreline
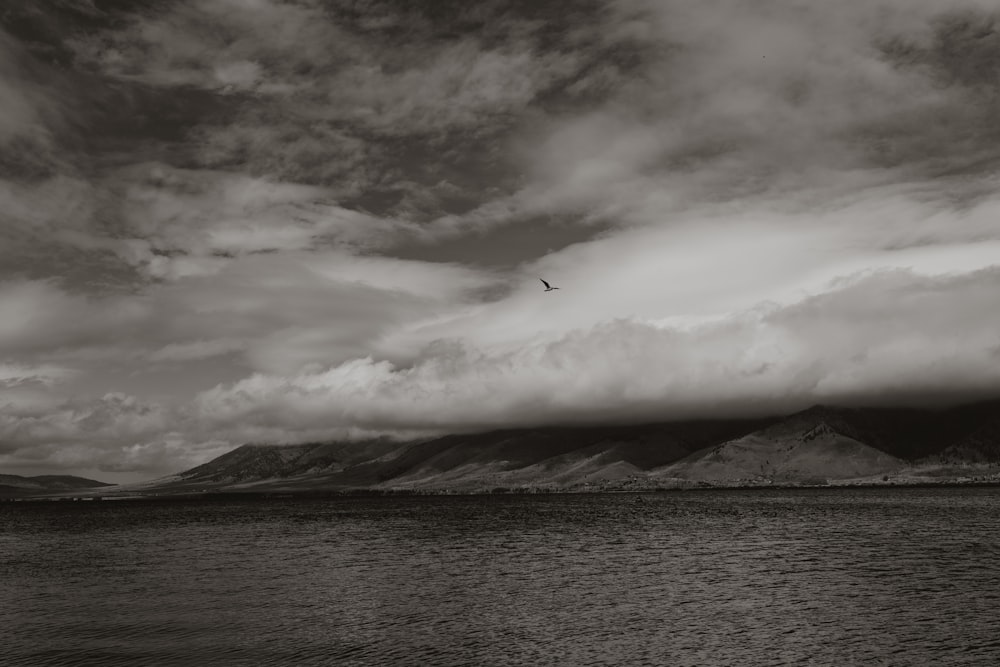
215 495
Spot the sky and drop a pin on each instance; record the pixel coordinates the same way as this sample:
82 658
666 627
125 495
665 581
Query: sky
281 221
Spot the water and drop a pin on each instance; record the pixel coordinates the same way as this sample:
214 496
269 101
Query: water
824 577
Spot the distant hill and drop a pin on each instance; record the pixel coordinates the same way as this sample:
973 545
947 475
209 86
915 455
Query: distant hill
254 462
16 485
799 452
820 445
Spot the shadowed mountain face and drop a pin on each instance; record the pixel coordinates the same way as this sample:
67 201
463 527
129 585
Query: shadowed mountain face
15 485
783 455
819 445
255 462
981 444
907 434
528 457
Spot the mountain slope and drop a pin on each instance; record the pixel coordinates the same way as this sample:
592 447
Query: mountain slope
255 463
16 485
529 457
980 445
816 445
791 454
247 462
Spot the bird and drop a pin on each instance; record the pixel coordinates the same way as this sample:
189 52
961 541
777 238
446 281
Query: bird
548 287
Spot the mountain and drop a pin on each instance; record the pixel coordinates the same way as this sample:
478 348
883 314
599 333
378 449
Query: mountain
794 452
981 445
549 457
554 457
250 464
819 445
15 485
905 433
825 444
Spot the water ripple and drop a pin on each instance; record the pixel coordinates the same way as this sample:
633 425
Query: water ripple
893 577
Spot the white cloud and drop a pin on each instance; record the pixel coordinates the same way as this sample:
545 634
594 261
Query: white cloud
114 417
707 263
275 311
799 104
12 374
880 335
201 212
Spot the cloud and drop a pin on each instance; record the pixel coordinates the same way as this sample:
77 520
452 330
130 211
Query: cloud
880 336
26 120
113 418
797 101
196 350
273 311
334 73
36 316
313 308
707 263
153 221
27 389
114 436
798 104
267 142
202 43
357 99
766 208
171 211
44 374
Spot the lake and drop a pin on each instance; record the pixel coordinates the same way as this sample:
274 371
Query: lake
756 577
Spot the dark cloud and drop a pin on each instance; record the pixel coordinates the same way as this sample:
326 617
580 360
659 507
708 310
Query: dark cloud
954 132
400 110
29 119
961 49
360 97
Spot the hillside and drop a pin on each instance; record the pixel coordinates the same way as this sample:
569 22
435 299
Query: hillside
802 454
980 445
819 445
16 485
548 457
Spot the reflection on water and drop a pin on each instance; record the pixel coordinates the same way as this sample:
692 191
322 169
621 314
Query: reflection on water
900 577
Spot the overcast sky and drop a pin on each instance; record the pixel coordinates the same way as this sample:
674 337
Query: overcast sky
229 221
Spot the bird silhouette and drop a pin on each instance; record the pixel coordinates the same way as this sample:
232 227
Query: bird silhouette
548 287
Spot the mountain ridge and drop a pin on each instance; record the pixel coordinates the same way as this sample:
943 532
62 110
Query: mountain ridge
818 445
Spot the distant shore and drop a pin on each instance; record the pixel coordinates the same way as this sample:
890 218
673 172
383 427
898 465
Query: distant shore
523 491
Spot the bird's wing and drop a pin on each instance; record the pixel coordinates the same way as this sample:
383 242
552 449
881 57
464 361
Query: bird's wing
545 283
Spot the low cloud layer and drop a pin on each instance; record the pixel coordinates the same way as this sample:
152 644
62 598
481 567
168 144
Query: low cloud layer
283 221
888 336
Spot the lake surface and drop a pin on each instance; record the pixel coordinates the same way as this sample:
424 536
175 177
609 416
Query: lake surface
824 577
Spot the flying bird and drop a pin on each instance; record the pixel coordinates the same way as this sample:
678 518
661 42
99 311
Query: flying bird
548 287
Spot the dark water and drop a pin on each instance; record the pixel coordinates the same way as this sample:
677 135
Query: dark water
832 577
